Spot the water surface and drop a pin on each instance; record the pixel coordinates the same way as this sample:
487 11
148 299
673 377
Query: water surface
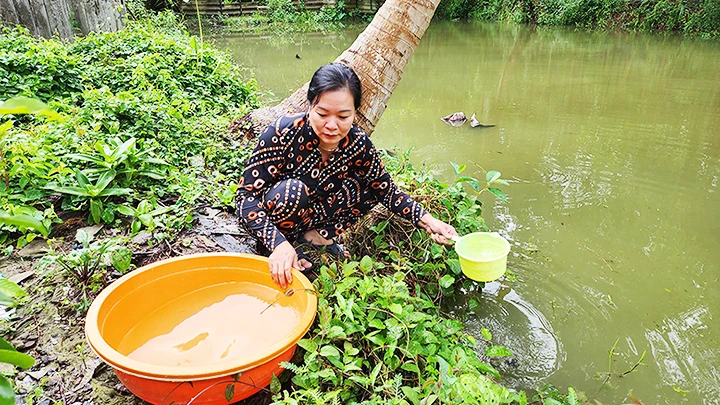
612 141
209 326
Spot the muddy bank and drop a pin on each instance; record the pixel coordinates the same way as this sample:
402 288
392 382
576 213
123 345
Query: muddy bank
47 327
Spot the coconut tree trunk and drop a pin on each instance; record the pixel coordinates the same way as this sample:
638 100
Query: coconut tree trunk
378 55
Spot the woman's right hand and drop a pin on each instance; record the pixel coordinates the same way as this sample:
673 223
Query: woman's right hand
282 261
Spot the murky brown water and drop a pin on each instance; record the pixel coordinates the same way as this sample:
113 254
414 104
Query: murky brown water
218 325
614 216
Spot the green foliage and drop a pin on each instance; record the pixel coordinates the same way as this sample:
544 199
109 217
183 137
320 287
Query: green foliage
379 336
332 14
402 247
492 178
144 215
281 10
283 18
376 343
691 17
25 105
88 264
136 105
93 192
458 9
20 218
9 292
9 355
23 222
128 161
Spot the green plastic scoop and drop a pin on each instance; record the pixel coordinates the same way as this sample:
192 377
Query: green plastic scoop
483 255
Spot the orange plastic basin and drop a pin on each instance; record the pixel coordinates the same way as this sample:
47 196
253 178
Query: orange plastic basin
159 287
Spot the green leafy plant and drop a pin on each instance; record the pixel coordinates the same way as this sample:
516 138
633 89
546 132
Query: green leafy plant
26 220
124 158
226 195
403 247
332 14
9 292
492 178
23 220
87 265
94 193
25 105
376 342
144 215
606 377
696 18
9 355
19 106
550 395
137 104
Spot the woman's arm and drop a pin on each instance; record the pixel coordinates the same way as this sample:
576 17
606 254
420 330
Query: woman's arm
260 174
439 231
378 180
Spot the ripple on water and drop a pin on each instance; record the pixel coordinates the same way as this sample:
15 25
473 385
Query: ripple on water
683 362
522 328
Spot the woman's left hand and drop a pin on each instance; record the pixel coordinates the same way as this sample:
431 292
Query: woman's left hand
439 231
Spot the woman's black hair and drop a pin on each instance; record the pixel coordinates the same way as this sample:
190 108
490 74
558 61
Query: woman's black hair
331 77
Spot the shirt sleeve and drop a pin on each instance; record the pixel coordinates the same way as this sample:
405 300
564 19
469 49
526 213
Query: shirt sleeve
378 181
260 175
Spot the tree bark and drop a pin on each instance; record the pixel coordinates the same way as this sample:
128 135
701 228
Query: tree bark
7 12
97 15
59 12
24 15
378 55
49 18
42 23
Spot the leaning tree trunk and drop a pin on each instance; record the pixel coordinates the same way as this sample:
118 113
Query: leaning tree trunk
379 56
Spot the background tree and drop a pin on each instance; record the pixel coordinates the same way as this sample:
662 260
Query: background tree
378 55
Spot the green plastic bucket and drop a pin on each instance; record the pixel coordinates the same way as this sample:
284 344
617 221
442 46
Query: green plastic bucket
483 255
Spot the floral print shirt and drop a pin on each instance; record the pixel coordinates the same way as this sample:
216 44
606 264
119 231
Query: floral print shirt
288 149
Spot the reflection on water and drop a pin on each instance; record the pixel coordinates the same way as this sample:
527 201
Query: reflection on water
612 140
681 365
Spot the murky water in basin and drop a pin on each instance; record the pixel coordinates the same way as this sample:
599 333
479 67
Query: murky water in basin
613 141
217 325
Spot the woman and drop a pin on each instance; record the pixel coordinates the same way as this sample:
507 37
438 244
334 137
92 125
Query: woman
314 174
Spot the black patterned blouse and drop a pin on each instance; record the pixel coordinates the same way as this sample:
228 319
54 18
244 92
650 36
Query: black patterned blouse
329 196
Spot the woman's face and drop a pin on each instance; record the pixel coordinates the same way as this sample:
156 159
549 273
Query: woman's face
331 117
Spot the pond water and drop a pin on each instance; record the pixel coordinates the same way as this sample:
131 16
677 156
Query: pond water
613 143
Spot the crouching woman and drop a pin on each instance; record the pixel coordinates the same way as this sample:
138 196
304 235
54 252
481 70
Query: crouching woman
313 175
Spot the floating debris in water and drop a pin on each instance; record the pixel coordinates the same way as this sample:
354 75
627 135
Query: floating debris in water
288 293
475 123
455 119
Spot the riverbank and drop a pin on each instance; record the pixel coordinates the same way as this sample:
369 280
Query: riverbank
138 169
282 17
687 17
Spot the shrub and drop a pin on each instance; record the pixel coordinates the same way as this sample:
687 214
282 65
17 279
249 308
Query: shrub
692 17
150 83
